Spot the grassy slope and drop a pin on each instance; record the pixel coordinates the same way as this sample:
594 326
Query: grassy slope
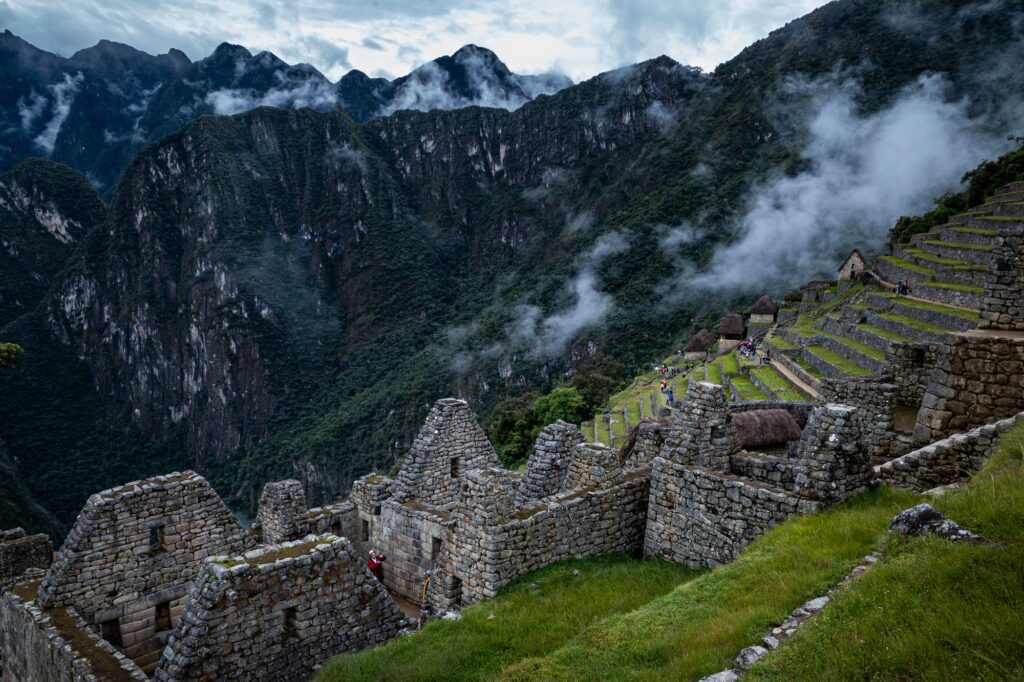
522 622
931 609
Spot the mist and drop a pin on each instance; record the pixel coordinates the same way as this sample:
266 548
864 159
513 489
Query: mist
63 96
861 174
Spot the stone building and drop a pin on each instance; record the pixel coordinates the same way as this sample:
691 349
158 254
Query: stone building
852 266
731 332
699 345
763 311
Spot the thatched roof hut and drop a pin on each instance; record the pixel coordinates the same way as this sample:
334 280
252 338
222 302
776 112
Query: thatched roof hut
764 306
700 343
732 327
765 428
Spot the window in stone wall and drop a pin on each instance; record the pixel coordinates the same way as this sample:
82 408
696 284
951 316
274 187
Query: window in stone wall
376 510
156 539
110 630
289 623
919 357
455 592
435 548
455 467
163 616
364 530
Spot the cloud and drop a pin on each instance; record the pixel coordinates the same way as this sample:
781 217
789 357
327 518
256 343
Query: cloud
549 336
296 93
30 110
862 172
661 116
63 97
345 153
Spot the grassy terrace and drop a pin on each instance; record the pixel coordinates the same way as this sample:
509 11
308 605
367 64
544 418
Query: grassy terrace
848 367
746 388
522 622
959 245
884 333
858 346
932 258
967 288
971 315
931 609
778 384
907 265
781 343
713 373
983 231
915 323
730 364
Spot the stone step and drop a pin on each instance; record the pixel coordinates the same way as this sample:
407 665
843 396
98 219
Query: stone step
821 358
950 293
964 233
995 222
850 327
1014 209
1017 186
909 328
943 269
961 252
936 314
854 351
895 269
1010 194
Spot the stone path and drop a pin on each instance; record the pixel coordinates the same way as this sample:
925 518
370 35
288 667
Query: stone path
750 655
794 379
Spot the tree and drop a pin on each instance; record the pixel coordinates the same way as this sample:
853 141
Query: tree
510 427
9 352
562 403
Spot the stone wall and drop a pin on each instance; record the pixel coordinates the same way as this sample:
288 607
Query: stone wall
702 432
1002 306
282 514
55 645
705 518
978 378
909 367
411 535
20 552
549 461
951 460
875 424
835 454
449 443
493 542
278 612
650 437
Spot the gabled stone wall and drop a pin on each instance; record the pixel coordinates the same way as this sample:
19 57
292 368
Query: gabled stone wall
549 461
874 424
909 367
278 612
449 444
283 514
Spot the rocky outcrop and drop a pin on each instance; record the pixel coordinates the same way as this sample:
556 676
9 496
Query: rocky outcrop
925 519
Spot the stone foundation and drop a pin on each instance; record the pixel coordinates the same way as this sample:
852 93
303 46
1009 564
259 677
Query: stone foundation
20 552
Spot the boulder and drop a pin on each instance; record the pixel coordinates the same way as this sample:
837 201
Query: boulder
925 519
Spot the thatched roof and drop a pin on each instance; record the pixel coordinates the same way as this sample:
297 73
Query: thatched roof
765 428
732 325
764 306
700 343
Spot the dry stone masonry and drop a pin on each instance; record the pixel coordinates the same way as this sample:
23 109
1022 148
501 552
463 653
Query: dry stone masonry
20 552
549 461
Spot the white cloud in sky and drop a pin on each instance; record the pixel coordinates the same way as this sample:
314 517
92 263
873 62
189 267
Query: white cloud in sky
578 37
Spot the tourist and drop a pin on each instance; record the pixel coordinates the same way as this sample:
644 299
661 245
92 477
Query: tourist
376 565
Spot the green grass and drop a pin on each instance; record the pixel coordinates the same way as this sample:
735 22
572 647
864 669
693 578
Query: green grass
858 346
967 288
747 389
959 245
931 609
907 265
778 384
730 364
983 231
713 373
884 333
971 315
699 627
914 323
781 343
932 258
521 622
848 367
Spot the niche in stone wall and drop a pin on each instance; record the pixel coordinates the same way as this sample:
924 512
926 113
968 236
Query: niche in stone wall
163 616
435 548
455 467
289 623
364 530
110 630
376 510
918 357
455 592
156 539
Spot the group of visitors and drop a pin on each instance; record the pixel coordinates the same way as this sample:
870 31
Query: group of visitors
748 349
902 288
666 389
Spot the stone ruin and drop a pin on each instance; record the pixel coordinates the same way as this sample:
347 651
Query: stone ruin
20 552
157 580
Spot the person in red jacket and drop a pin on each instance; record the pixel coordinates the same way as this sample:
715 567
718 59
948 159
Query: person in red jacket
376 565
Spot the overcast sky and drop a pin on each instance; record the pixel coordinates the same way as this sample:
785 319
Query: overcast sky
390 37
